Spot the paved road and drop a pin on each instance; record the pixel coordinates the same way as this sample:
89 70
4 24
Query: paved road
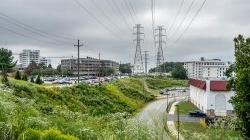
156 109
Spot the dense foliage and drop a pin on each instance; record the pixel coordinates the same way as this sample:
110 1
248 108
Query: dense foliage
42 69
103 70
125 68
167 67
241 83
6 63
179 72
30 111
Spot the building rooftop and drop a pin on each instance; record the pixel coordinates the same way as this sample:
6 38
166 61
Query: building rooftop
215 85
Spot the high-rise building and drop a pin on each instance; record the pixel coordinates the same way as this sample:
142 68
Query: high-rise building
27 56
88 66
206 68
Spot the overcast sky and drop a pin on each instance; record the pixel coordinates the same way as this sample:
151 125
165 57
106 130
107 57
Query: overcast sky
53 26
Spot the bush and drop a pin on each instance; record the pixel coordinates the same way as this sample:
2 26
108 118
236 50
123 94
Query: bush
51 134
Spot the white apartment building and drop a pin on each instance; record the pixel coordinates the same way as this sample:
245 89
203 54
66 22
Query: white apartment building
206 68
27 56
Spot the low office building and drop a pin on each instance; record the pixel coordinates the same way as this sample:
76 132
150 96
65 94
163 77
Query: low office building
88 66
45 61
211 96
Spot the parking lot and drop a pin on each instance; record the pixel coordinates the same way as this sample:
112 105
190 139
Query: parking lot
83 79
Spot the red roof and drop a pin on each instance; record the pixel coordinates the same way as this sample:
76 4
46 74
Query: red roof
198 83
218 85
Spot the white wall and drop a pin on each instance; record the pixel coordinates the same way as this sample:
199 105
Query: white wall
206 100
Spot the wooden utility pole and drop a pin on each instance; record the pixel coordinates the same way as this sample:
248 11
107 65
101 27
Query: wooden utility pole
78 59
178 122
99 73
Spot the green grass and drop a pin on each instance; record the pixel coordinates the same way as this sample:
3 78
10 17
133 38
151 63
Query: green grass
185 107
161 82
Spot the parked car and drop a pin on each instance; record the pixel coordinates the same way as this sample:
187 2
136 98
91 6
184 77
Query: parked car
197 114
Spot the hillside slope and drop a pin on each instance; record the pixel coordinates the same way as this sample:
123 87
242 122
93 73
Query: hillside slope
26 108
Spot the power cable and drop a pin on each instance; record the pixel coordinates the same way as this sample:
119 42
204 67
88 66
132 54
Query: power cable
184 18
133 9
176 16
104 14
35 29
119 14
94 17
192 20
153 18
26 36
30 30
129 10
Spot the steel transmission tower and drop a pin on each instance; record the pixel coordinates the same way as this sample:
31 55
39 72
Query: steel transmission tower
160 42
138 62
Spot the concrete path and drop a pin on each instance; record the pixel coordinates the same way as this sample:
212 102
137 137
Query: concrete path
154 114
171 124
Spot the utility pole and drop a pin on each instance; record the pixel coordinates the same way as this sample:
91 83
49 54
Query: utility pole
99 73
78 59
138 62
178 122
120 73
160 41
146 61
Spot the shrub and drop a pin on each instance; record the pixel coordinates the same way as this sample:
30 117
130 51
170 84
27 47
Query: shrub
32 79
51 134
39 80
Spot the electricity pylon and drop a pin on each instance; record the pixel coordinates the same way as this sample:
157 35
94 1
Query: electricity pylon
138 62
160 42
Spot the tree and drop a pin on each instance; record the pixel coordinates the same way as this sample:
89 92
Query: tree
32 79
125 68
179 72
105 71
49 66
241 83
39 80
18 75
6 63
166 67
29 70
25 77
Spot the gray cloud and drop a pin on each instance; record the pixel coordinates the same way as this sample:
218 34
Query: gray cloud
210 35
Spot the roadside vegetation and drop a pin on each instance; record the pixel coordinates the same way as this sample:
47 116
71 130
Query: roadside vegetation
224 128
186 106
161 82
33 111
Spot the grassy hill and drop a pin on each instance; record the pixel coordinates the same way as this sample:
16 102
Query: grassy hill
30 111
161 82
30 107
